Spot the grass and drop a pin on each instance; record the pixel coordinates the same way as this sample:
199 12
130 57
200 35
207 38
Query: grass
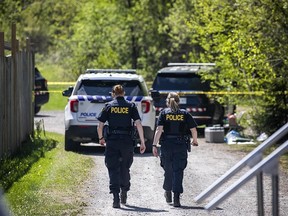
14 167
56 100
49 186
51 71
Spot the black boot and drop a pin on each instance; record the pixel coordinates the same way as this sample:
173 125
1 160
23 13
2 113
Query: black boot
176 200
116 200
168 196
123 197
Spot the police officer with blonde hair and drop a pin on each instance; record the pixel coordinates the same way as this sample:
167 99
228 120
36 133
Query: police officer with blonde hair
119 151
177 125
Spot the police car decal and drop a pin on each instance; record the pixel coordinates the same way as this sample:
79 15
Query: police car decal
134 98
98 98
86 114
94 98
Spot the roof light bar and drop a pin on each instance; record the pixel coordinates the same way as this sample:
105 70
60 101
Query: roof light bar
191 64
127 71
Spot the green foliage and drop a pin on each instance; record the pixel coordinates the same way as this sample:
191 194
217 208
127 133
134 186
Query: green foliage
241 37
93 41
14 167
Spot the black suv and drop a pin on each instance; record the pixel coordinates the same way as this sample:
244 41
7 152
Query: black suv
184 79
40 91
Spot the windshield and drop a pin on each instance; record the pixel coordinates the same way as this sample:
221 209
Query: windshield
104 87
179 82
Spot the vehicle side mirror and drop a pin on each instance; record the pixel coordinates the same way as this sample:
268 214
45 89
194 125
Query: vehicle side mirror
68 92
155 95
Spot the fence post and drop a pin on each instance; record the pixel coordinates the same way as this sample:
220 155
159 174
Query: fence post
31 66
1 43
2 106
15 115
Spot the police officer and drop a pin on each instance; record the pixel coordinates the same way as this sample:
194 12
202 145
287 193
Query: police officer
176 125
119 151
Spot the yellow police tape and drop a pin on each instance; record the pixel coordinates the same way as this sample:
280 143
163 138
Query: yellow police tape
61 83
191 92
221 93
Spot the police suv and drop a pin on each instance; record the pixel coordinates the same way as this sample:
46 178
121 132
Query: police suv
185 79
89 95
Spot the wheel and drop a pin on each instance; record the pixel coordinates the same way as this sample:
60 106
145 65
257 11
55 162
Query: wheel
70 145
37 109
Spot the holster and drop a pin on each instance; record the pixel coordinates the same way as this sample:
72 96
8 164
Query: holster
187 142
106 131
134 136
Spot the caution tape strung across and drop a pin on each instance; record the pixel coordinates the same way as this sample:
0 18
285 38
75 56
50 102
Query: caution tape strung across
61 83
184 93
224 93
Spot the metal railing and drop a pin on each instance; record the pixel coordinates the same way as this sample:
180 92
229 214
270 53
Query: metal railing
253 159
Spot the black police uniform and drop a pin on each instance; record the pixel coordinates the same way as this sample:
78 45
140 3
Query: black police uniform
119 144
176 126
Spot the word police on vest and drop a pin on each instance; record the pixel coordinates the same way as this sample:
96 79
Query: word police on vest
175 117
121 110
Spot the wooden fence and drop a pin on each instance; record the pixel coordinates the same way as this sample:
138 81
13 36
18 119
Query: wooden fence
16 95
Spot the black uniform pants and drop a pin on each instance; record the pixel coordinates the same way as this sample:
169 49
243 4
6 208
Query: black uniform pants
174 161
118 159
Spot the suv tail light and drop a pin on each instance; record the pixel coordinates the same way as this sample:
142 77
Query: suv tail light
145 106
74 105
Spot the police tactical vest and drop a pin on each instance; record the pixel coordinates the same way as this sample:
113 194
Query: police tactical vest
120 114
175 123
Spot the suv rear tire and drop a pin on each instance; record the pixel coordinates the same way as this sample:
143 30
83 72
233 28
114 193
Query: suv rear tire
37 109
71 145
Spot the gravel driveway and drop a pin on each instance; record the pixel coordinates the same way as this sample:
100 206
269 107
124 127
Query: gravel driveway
206 163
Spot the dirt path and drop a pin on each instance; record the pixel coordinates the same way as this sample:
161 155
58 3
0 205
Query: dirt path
206 163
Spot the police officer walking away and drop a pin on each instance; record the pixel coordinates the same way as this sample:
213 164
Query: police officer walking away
119 151
177 125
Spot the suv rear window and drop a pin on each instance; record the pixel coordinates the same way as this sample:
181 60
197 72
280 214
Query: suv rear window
104 87
179 82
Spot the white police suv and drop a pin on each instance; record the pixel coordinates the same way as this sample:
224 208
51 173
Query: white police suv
89 95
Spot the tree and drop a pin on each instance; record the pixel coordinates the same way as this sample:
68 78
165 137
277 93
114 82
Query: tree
246 40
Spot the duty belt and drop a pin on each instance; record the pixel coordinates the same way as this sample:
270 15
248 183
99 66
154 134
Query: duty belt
121 132
174 136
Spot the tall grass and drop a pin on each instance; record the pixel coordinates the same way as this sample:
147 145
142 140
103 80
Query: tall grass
14 167
49 186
